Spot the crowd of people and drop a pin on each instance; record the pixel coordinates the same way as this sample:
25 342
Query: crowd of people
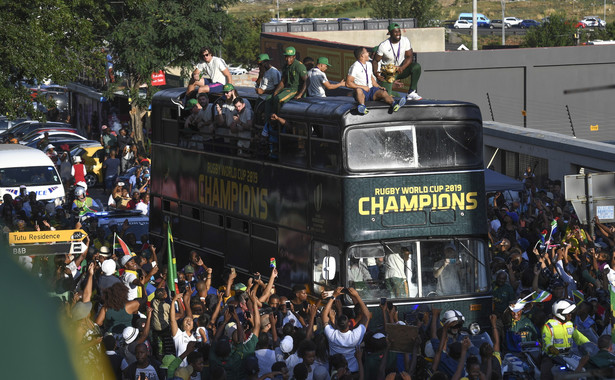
550 287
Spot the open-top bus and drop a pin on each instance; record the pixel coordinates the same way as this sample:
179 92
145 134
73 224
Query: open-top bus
390 203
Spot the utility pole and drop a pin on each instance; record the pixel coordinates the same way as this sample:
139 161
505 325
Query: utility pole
474 26
503 22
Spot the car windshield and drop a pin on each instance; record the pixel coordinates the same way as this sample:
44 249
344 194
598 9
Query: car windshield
29 176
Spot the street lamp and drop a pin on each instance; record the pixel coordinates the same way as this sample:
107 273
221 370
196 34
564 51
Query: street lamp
503 2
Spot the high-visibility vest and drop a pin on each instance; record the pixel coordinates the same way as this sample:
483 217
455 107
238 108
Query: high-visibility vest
561 335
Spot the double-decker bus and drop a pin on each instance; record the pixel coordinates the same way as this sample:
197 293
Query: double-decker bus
389 203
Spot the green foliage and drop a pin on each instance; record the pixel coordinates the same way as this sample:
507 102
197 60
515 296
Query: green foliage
558 31
604 34
46 39
241 44
423 10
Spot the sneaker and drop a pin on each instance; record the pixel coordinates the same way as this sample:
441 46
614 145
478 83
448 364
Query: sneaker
399 103
413 96
362 109
178 102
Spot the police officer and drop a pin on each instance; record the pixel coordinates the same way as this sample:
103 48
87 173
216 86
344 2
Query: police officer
559 335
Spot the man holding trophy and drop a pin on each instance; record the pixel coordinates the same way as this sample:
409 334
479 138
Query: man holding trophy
395 56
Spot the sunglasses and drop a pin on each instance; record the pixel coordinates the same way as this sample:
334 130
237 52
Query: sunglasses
206 54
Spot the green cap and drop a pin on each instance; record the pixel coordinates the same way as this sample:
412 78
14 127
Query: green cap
290 51
191 103
263 57
392 26
228 87
323 61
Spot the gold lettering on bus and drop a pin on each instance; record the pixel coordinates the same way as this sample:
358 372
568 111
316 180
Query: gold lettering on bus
233 196
404 203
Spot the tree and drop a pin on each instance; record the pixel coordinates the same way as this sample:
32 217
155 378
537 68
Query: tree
556 31
149 35
242 43
423 10
45 39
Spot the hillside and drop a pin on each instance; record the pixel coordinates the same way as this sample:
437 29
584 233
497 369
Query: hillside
575 9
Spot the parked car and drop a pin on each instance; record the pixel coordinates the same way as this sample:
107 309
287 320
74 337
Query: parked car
593 21
462 24
528 24
28 126
6 124
92 154
306 20
237 70
497 24
512 21
59 141
68 135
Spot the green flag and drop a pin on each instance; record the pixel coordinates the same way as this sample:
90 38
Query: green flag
172 270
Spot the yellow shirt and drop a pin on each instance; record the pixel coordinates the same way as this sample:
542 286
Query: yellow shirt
561 335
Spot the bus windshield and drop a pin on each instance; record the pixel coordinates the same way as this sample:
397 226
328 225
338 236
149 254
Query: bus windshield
418 269
420 146
29 176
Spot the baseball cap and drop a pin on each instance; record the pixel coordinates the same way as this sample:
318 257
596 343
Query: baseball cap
188 269
323 61
50 146
392 26
125 259
104 127
240 286
108 267
290 51
286 345
263 57
191 103
228 87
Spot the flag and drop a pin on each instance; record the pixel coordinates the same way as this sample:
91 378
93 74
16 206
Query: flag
543 236
542 296
150 291
120 245
172 264
578 296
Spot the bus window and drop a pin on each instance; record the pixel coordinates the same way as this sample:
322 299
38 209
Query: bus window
382 148
324 149
422 146
293 141
320 251
418 269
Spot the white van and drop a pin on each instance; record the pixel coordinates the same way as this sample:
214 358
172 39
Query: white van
21 165
481 20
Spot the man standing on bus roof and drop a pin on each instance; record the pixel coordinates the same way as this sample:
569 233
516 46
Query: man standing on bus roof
211 74
397 50
268 77
318 80
361 79
293 83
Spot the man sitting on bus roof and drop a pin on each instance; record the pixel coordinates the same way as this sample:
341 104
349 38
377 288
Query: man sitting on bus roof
293 83
318 80
268 77
361 79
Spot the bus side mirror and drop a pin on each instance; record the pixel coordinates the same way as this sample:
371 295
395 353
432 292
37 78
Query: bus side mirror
328 268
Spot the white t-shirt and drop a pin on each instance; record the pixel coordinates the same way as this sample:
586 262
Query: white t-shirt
394 53
128 279
143 207
149 371
213 70
316 78
266 358
362 74
345 343
271 79
181 340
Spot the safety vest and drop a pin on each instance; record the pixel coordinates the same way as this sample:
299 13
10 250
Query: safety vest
561 335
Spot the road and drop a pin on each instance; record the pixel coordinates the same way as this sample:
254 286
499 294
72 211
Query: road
494 31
